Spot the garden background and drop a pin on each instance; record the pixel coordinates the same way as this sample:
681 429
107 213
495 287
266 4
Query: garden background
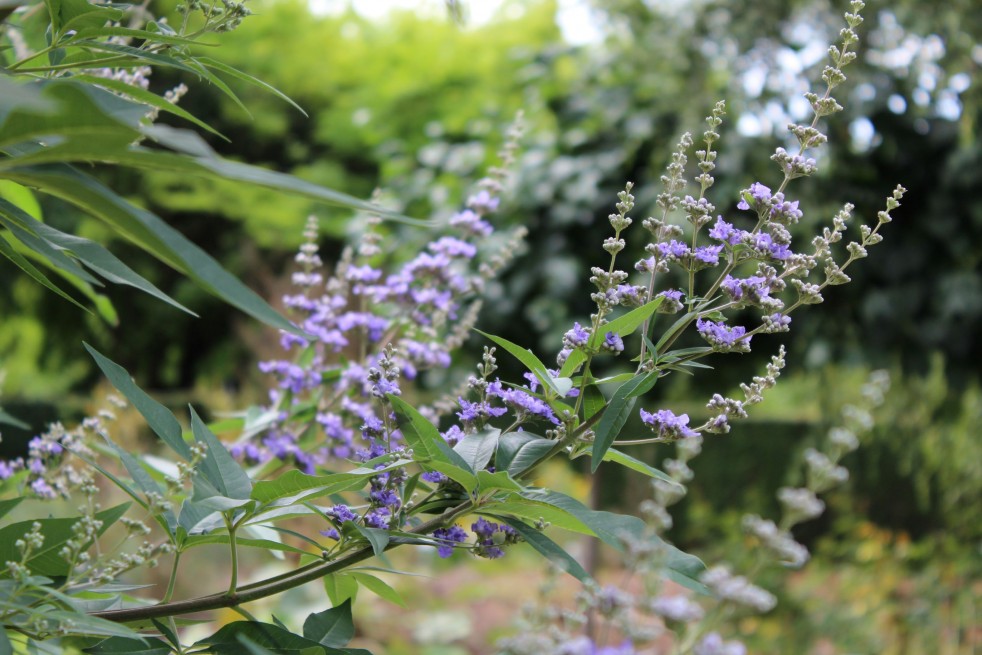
415 101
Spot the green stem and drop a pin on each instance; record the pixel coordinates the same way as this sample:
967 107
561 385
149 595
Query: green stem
172 583
271 586
234 551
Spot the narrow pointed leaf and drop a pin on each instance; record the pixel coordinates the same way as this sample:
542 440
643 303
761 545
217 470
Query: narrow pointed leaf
549 549
158 417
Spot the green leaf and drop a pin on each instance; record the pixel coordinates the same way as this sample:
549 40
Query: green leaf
593 401
608 526
518 451
423 437
333 627
378 587
77 14
560 386
147 98
266 635
158 417
219 467
8 251
9 504
195 517
340 587
621 326
126 646
295 484
7 419
46 561
617 413
50 242
143 480
477 449
549 548
249 79
6 648
379 539
614 455
487 481
150 233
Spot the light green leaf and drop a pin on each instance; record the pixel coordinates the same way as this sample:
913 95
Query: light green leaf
477 449
614 455
423 437
560 386
378 587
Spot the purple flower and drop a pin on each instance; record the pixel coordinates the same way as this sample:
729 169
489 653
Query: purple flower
453 435
725 232
434 476
448 537
451 247
668 425
673 249
378 518
471 411
672 303
523 402
613 343
576 337
342 513
708 254
723 338
483 202
471 222
362 273
760 194
386 498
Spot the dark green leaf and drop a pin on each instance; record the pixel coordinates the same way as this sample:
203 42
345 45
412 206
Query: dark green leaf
266 635
608 526
517 451
249 79
332 628
379 539
46 561
423 437
219 467
549 548
150 233
593 401
126 646
616 415
8 251
9 504
158 417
